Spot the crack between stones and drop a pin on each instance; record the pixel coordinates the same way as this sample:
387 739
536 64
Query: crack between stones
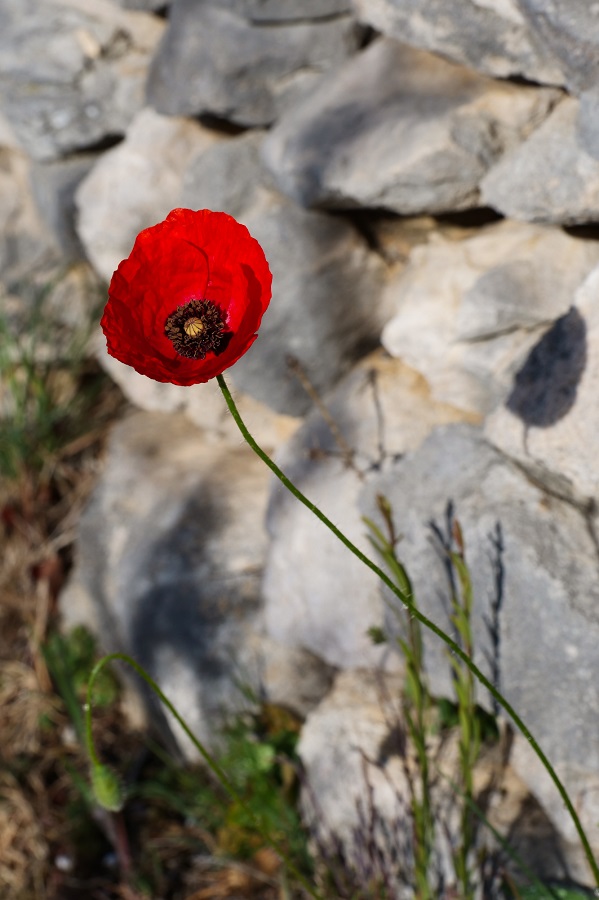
587 510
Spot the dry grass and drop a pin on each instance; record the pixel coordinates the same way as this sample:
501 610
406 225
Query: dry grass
23 848
55 844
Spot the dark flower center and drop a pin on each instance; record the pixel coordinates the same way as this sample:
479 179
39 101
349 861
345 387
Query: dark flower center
195 329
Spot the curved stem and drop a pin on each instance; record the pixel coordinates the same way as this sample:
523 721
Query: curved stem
206 756
428 623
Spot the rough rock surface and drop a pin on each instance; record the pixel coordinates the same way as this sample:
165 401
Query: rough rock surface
549 419
231 176
293 10
401 129
72 72
202 404
25 242
54 185
325 322
534 567
136 185
352 749
551 177
582 784
469 330
317 595
170 552
214 61
492 36
157 6
569 31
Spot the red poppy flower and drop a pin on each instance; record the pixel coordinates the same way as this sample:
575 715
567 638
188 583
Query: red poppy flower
188 301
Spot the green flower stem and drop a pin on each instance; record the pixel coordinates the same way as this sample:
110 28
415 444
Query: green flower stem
407 602
207 757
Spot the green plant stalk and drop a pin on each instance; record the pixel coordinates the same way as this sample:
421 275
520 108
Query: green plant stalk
477 811
54 657
416 702
206 756
428 623
421 806
469 743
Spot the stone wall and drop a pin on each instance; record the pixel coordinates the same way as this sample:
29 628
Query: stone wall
424 178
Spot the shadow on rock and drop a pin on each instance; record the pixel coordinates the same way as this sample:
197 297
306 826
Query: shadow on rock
545 387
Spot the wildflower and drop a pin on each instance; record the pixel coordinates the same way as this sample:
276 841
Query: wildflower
187 302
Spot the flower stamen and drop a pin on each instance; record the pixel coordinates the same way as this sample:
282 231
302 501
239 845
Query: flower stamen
195 329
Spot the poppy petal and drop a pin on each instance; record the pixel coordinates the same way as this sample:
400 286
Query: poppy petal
190 256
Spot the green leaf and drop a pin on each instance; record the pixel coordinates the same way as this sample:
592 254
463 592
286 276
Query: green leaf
377 635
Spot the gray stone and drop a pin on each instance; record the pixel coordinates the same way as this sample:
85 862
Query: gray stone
202 404
72 73
588 122
548 419
318 596
54 185
36 211
214 61
469 332
145 5
230 176
26 244
356 794
136 185
172 162
324 310
583 787
294 10
348 753
551 177
170 550
491 36
401 129
533 564
569 31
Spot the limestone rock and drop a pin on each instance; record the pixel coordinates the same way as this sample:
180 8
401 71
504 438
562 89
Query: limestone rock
294 10
581 784
551 177
136 185
54 185
587 124
356 796
37 229
326 281
468 331
230 176
170 551
416 135
214 61
157 6
533 564
569 31
202 404
492 36
324 313
548 419
26 243
133 186
318 596
72 72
